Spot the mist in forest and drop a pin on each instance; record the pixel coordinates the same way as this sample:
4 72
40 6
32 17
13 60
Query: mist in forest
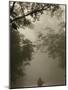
39 49
42 66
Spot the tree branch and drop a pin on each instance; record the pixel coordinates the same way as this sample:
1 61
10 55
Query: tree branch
35 11
12 8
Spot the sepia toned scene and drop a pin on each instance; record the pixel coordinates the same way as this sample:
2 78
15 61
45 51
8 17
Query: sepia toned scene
37 44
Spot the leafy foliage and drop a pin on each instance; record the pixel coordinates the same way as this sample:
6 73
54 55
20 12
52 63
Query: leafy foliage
22 10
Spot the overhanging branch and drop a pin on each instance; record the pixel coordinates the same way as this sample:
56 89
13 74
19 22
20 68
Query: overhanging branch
35 11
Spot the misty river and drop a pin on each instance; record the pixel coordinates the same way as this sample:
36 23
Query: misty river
42 67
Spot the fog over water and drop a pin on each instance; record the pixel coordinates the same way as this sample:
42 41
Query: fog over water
41 64
44 67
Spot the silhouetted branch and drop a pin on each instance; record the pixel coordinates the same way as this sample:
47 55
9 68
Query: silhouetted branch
35 11
12 8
